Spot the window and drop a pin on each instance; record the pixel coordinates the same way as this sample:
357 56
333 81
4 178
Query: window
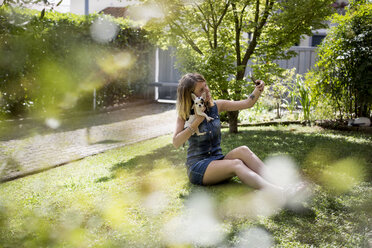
316 40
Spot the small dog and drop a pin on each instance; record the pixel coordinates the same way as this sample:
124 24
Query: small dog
198 108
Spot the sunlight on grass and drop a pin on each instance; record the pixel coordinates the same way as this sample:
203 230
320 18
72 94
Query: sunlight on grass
125 204
343 175
139 196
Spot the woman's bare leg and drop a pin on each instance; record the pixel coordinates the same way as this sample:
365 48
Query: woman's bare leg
221 170
250 159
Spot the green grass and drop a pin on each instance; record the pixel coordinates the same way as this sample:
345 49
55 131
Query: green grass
104 200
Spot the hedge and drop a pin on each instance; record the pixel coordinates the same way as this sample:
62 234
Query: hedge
53 64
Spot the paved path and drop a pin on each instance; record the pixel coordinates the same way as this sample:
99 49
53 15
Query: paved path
22 154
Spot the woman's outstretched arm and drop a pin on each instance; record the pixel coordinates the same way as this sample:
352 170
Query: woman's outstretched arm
226 105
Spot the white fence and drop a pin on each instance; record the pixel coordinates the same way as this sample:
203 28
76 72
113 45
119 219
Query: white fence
304 60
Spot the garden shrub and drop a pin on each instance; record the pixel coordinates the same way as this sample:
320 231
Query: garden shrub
52 64
343 69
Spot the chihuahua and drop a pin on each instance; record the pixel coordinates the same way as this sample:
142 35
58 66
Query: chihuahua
198 108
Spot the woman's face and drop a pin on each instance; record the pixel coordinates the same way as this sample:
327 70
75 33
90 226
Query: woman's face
200 88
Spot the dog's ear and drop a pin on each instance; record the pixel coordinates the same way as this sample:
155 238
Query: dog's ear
204 95
193 96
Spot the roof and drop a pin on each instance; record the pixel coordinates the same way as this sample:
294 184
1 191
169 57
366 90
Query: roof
115 11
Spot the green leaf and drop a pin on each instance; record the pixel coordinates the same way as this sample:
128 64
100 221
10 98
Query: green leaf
42 14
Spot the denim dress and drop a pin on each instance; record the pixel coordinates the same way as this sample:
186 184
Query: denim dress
205 148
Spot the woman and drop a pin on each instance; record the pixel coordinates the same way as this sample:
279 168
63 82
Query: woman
206 165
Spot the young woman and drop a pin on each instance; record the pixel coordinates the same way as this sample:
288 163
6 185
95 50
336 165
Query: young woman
206 165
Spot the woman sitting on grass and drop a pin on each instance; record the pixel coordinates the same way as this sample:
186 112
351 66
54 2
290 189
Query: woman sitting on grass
206 165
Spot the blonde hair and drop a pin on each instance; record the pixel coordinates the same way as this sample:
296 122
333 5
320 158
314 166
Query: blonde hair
186 86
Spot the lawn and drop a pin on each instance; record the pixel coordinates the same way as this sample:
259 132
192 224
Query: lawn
139 196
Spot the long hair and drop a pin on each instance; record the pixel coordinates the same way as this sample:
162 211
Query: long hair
186 86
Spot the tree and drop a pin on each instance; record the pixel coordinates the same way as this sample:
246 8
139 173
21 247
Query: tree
48 4
219 38
22 2
343 71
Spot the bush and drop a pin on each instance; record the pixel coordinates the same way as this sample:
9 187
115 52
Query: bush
343 72
52 64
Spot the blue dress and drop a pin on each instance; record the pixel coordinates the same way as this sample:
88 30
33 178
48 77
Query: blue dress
205 148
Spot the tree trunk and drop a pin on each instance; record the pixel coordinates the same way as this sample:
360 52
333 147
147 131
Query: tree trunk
364 110
278 111
233 121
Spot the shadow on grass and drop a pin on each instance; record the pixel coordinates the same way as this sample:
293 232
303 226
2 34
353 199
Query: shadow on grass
311 151
143 163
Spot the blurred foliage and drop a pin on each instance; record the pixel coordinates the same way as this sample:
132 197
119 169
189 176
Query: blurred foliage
343 71
219 38
52 64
